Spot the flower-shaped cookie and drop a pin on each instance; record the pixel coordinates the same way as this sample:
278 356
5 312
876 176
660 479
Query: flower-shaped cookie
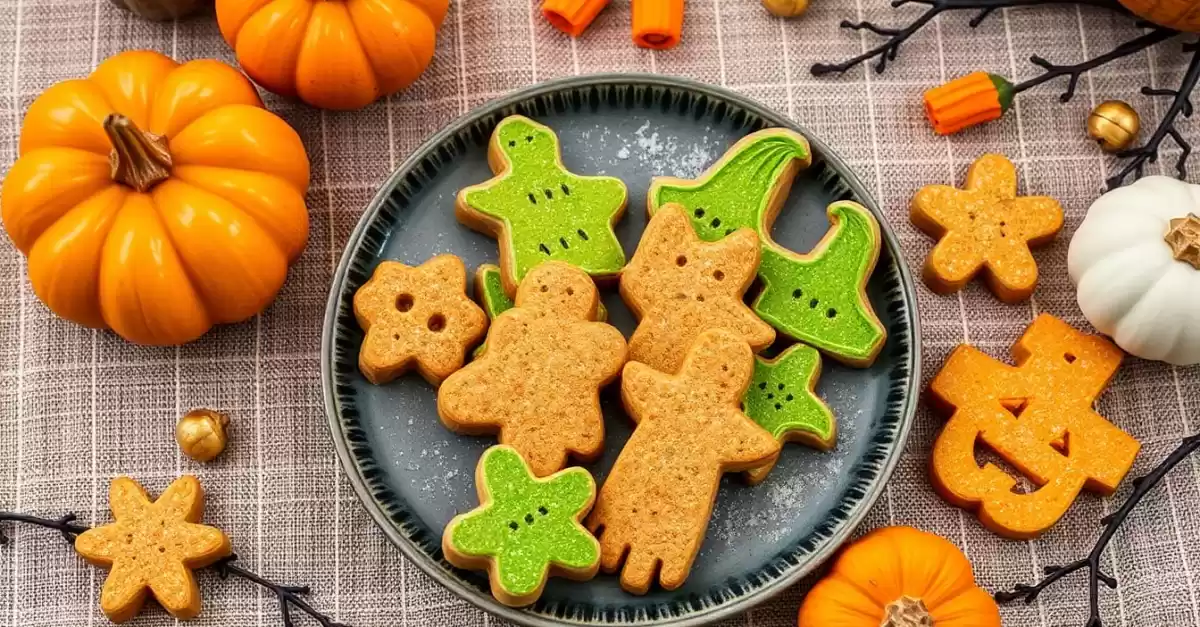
985 226
418 316
153 546
525 528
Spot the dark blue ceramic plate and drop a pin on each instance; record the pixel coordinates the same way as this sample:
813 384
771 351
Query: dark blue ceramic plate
413 476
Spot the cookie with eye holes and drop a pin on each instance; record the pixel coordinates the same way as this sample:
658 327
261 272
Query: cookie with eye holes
538 210
538 384
680 286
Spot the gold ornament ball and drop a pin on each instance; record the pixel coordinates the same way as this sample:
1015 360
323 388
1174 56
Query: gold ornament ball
201 434
786 8
1114 125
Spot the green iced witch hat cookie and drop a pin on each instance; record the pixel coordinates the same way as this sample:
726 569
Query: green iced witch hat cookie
525 529
538 210
820 298
782 399
745 188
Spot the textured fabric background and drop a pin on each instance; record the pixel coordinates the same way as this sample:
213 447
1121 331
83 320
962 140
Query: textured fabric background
78 406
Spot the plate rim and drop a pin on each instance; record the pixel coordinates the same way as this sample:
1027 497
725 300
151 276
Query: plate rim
705 616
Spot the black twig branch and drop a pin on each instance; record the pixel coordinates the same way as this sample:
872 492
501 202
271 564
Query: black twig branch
895 37
1073 72
1142 486
289 596
1180 105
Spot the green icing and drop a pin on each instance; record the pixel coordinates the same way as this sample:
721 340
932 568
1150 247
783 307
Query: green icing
495 300
819 300
737 193
780 399
548 212
527 524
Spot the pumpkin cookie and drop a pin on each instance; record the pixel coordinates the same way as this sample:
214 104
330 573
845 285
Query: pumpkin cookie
678 286
744 189
538 210
153 546
539 382
783 400
654 507
416 316
820 298
525 529
987 227
1038 416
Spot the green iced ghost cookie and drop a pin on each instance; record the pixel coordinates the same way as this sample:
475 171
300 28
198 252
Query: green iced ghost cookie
745 188
819 298
538 210
782 399
525 528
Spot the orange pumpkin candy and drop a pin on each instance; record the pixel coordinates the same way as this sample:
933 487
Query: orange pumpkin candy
1181 15
333 54
899 577
156 199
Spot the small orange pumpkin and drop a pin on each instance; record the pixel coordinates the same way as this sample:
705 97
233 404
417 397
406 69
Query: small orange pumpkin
156 199
899 577
333 54
1181 15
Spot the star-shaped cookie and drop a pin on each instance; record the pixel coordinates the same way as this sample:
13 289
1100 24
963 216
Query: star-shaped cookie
782 399
654 507
416 316
679 286
525 529
153 547
987 227
538 210
539 381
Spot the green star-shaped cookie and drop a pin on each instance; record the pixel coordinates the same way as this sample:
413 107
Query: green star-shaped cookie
540 211
820 298
745 188
782 399
525 529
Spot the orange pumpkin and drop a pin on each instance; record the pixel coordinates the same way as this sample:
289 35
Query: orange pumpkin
899 577
333 54
1182 15
156 199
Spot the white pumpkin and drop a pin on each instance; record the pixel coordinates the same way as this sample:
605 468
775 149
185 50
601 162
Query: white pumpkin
1135 262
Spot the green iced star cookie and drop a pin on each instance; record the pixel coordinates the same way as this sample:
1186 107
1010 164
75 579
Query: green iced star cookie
525 529
820 298
538 210
745 188
782 399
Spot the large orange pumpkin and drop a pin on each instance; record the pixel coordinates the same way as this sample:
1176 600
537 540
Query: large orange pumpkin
899 577
156 199
1183 15
333 54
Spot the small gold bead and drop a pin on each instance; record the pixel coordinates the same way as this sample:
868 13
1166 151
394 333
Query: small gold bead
1114 125
786 8
201 434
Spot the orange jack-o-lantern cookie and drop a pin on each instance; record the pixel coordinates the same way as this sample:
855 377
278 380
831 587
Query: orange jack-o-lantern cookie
985 227
418 316
1037 416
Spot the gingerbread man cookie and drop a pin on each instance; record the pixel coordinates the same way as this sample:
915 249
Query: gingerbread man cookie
525 529
985 227
538 210
654 507
153 547
744 189
783 400
679 286
416 316
539 381
1038 416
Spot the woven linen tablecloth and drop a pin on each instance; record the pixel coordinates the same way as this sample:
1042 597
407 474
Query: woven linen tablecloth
78 406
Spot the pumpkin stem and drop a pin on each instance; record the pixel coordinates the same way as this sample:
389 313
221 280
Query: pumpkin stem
139 159
906 612
1184 239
